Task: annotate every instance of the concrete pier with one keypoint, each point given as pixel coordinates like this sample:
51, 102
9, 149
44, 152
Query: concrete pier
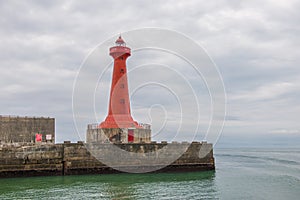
17, 160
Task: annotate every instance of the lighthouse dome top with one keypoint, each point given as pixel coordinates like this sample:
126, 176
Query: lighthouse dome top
119, 49
120, 41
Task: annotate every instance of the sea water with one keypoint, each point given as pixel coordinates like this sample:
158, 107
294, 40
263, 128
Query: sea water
240, 174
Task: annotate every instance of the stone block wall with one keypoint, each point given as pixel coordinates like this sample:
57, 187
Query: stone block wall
23, 129
115, 135
30, 160
79, 158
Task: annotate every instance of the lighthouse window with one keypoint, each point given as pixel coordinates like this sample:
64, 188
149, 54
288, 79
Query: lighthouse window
122, 71
121, 58
122, 85
122, 101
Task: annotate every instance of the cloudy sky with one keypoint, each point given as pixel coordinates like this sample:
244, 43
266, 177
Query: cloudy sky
255, 45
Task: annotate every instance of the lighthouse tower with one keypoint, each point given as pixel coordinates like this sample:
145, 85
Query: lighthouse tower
119, 115
119, 126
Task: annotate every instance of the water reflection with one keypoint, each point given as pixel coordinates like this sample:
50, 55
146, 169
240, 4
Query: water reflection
161, 185
193, 185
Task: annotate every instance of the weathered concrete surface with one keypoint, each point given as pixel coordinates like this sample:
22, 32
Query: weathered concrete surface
75, 158
30, 160
104, 135
23, 129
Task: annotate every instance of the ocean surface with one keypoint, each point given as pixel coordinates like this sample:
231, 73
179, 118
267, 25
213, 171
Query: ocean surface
240, 174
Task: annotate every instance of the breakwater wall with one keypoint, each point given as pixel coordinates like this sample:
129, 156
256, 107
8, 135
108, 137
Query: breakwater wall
18, 160
14, 129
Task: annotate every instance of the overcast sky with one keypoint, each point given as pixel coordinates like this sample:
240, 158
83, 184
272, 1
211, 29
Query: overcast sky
255, 45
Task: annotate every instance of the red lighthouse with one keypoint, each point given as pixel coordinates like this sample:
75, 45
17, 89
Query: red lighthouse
119, 115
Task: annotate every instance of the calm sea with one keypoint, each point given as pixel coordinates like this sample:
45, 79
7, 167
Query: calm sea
240, 174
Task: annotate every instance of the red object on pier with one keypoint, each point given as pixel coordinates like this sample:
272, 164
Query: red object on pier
38, 137
119, 115
130, 135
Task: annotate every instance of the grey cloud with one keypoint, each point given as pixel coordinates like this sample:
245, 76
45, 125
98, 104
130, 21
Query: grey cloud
254, 43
